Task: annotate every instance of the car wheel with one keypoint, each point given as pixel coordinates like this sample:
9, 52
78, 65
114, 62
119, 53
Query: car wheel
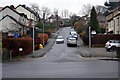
113, 48
76, 45
68, 45
108, 49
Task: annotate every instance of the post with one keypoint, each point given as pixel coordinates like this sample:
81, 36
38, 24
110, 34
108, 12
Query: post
43, 32
33, 36
43, 27
89, 37
33, 26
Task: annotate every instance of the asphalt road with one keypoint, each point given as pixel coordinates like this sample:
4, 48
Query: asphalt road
61, 62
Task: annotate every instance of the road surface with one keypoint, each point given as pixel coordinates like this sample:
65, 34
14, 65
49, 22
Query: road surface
61, 62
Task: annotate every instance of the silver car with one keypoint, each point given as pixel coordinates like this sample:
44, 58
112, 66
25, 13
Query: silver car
74, 34
71, 41
112, 45
59, 39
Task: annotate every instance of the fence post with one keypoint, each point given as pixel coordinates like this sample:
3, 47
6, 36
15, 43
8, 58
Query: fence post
10, 55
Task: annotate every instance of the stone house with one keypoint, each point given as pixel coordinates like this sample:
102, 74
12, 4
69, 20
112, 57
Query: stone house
113, 21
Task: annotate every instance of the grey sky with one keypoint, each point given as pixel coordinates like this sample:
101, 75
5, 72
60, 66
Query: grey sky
74, 6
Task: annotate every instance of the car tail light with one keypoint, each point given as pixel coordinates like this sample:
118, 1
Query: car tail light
108, 44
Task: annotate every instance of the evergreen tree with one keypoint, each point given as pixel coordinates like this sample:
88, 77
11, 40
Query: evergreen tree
94, 21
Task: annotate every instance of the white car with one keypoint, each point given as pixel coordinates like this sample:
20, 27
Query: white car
59, 39
112, 45
71, 41
74, 34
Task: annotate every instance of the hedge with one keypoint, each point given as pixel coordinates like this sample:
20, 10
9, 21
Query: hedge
14, 45
40, 38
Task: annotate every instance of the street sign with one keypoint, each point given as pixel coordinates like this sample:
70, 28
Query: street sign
16, 35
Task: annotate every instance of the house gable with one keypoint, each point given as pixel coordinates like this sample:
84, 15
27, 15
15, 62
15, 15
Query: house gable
27, 11
9, 11
9, 23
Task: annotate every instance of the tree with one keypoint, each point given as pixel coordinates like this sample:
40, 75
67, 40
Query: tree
79, 26
46, 11
93, 21
35, 8
86, 9
55, 12
74, 18
100, 9
65, 13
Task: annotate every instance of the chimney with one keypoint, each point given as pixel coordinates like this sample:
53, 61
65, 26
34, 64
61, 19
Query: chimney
12, 7
23, 6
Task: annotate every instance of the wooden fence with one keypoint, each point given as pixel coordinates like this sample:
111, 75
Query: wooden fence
101, 39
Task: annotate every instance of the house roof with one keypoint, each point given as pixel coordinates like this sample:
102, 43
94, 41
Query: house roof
117, 8
13, 20
1, 8
54, 17
21, 14
30, 10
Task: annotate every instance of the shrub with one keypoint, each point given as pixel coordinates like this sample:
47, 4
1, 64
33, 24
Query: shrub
49, 32
36, 47
14, 45
40, 38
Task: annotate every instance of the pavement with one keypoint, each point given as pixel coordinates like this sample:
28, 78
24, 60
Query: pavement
96, 52
44, 50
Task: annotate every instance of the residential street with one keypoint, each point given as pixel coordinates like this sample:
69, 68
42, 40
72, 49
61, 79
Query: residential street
62, 62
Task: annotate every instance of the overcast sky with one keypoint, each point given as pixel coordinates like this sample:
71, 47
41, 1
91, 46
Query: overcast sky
73, 6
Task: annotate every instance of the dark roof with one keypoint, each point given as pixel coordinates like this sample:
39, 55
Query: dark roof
117, 8
12, 19
54, 17
21, 14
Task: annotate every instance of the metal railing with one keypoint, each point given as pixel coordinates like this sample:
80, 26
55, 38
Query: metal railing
6, 55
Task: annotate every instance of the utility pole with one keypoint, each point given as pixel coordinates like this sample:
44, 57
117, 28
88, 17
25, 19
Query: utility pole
57, 22
43, 27
89, 37
33, 25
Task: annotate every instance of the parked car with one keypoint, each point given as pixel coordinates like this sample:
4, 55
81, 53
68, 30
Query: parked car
71, 41
112, 45
60, 39
72, 29
74, 34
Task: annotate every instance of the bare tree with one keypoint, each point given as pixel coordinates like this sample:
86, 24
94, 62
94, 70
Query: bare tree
100, 9
65, 13
55, 11
86, 9
46, 11
35, 7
